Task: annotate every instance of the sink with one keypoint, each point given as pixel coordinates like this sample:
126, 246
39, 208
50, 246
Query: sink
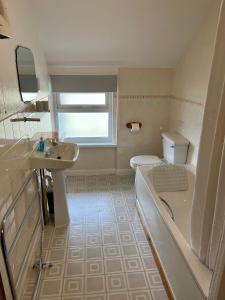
24, 155
59, 157
56, 158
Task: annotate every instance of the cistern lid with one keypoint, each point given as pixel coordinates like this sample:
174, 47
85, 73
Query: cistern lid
175, 138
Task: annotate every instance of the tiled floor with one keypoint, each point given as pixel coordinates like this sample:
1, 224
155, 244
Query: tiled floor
104, 253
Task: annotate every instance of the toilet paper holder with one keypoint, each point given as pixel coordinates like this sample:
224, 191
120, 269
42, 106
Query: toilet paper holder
129, 124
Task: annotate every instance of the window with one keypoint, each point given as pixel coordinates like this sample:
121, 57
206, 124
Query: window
85, 117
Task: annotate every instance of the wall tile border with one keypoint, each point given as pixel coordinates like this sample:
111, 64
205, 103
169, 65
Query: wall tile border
187, 101
153, 97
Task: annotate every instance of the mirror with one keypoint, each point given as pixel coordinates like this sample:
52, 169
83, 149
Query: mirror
28, 84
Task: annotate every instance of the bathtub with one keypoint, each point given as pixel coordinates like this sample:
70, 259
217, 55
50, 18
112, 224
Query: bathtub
187, 277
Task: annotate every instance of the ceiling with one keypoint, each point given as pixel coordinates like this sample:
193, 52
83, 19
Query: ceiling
117, 33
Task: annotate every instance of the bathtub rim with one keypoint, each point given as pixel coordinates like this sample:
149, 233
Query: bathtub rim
201, 274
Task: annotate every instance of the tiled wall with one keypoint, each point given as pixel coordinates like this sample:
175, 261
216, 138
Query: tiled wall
23, 33
186, 118
144, 96
10, 131
153, 113
191, 81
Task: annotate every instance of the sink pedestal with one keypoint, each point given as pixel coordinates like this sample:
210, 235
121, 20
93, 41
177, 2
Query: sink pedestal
60, 202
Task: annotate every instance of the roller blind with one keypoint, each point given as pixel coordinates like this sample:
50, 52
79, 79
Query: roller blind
84, 83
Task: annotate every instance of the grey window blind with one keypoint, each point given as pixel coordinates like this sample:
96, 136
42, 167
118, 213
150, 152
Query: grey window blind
84, 83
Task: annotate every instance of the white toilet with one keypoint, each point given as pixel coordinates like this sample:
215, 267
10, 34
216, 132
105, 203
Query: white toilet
175, 148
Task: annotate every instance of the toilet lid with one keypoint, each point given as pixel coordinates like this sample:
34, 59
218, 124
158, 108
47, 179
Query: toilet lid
144, 160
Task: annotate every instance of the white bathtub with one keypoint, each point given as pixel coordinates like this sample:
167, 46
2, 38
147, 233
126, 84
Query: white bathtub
187, 277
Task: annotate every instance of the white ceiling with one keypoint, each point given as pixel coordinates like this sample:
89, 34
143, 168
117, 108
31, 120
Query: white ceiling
117, 33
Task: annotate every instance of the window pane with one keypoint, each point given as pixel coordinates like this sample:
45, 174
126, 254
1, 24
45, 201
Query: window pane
83, 125
82, 98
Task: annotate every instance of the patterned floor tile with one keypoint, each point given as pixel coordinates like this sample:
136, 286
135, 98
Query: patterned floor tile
96, 297
118, 296
56, 255
149, 263
76, 253
112, 251
137, 226
140, 237
94, 252
56, 271
76, 230
95, 284
122, 217
93, 229
130, 250
126, 238
93, 240
103, 254
58, 243
46, 243
72, 298
73, 286
154, 279
141, 295
124, 227
159, 294
54, 298
75, 268
76, 241
109, 227
137, 280
94, 267
51, 288
144, 249
110, 238
114, 265
116, 282
133, 264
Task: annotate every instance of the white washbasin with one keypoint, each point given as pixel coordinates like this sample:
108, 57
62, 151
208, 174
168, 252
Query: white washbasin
59, 157
24, 155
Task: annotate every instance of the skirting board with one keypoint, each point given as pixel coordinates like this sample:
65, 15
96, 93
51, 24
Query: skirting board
74, 172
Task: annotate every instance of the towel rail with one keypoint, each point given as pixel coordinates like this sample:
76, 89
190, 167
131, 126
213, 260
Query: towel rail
15, 279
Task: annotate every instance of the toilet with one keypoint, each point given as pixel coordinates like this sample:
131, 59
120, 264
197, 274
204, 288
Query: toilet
175, 148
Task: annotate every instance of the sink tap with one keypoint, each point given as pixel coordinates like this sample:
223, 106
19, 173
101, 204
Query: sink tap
54, 142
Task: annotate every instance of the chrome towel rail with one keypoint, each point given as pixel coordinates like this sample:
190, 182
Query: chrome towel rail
25, 237
25, 119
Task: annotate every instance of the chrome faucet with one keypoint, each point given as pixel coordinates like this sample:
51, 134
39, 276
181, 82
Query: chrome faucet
53, 142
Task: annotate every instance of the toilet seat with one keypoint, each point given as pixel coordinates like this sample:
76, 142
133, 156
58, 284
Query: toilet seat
144, 160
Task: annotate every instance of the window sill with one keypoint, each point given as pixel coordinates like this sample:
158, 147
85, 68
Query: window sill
97, 145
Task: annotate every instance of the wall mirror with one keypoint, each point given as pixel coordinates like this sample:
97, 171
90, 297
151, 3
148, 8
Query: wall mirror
27, 80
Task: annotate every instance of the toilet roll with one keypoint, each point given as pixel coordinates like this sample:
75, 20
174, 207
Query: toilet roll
135, 127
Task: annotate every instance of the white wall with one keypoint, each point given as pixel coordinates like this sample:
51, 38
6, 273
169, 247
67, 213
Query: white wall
191, 83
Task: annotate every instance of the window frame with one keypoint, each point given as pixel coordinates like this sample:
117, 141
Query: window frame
108, 108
